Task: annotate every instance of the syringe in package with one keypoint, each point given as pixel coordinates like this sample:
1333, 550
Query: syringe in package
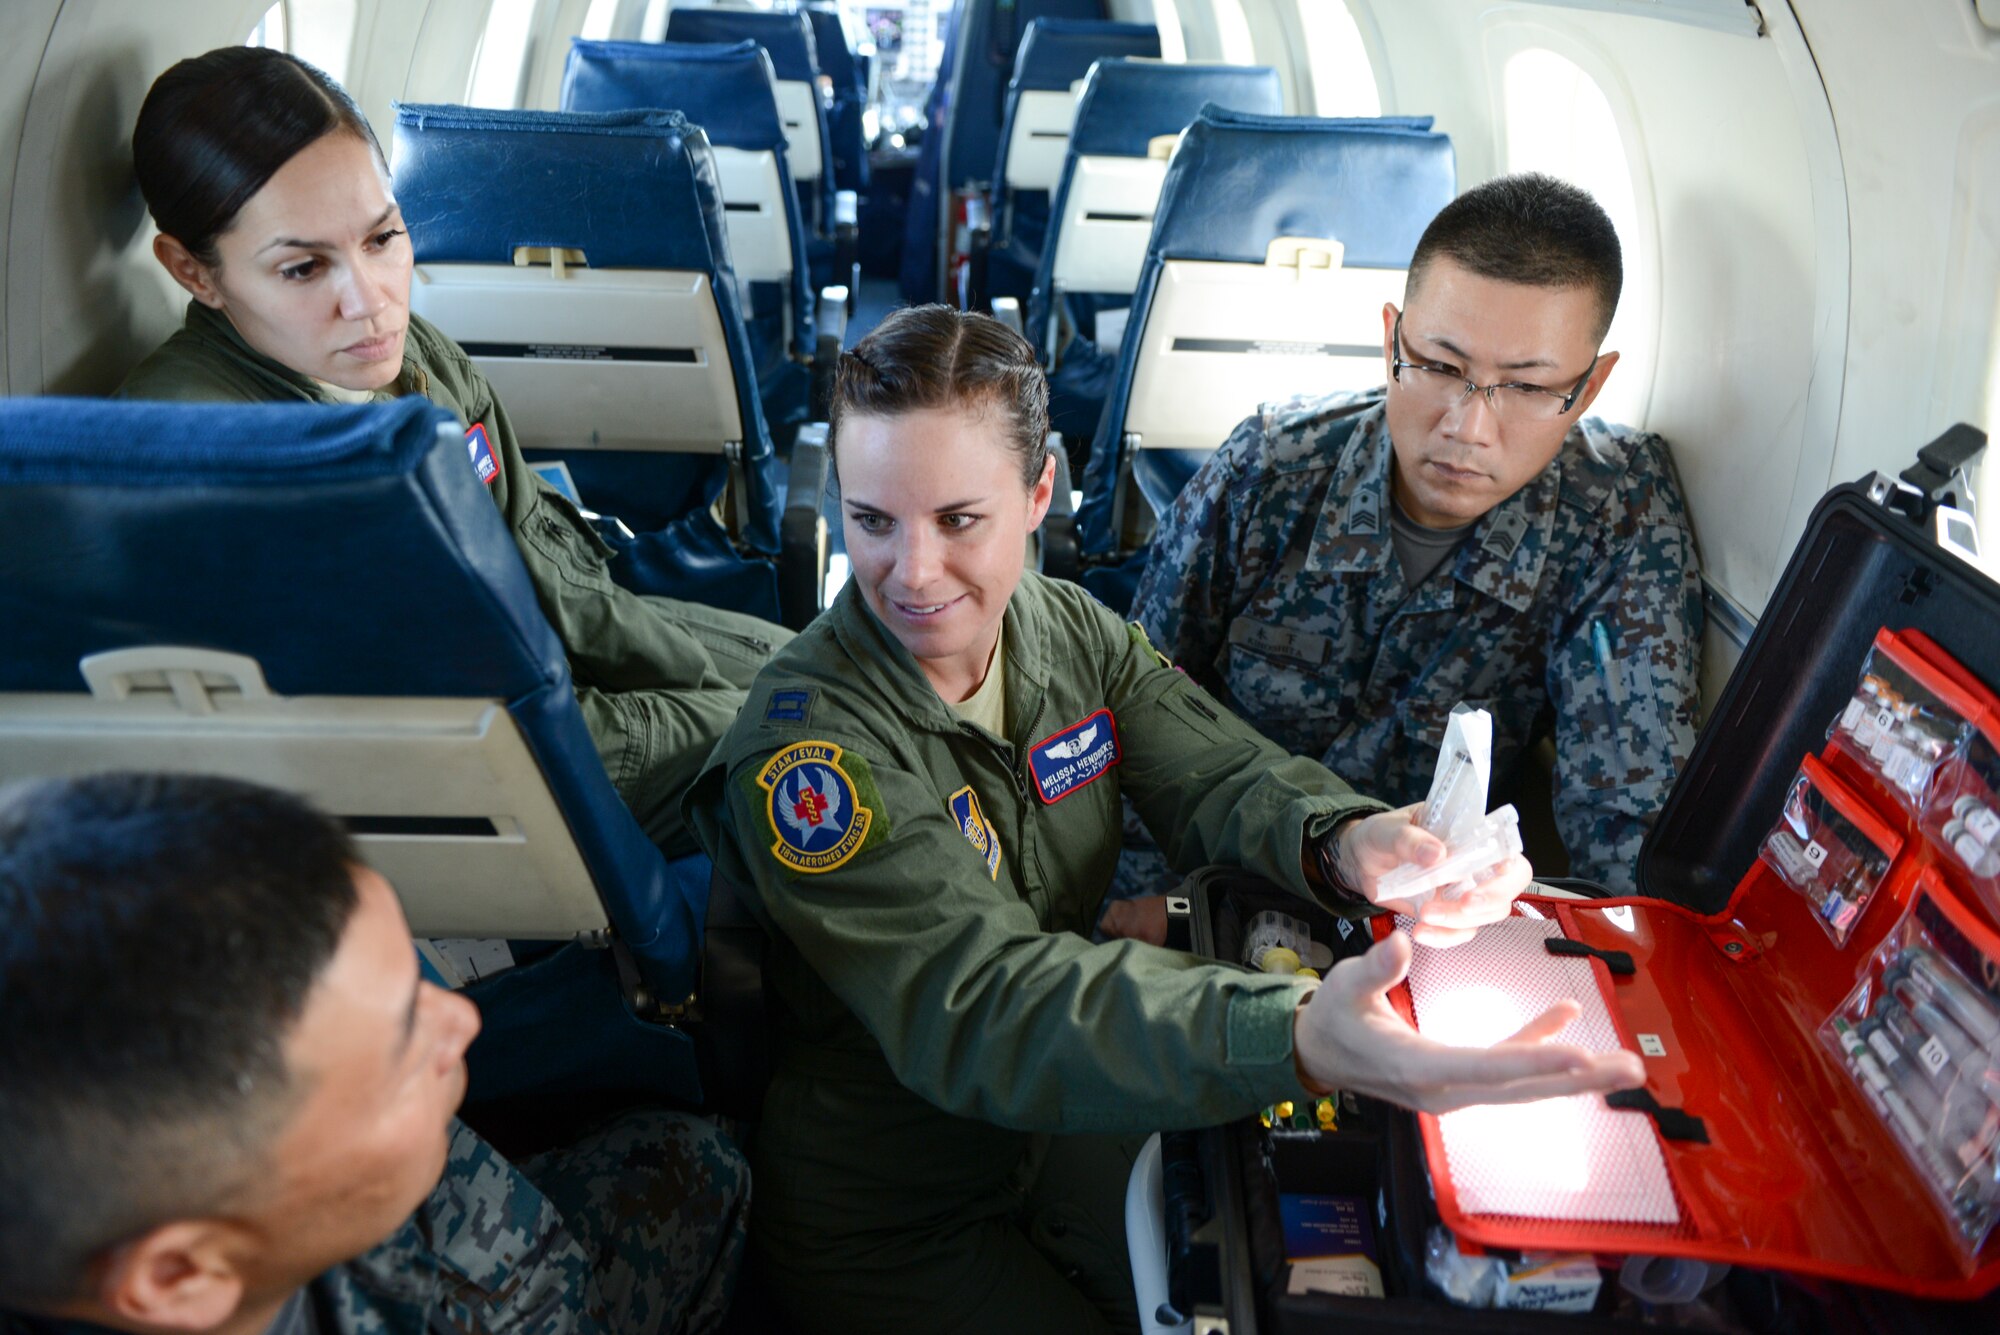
1455, 812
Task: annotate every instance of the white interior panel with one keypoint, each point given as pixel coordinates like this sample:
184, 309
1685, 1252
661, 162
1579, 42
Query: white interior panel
798, 108
760, 242
1035, 152
1283, 333
572, 389
1107, 220
354, 757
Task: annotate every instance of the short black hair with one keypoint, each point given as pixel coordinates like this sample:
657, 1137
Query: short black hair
1530, 229
159, 936
215, 127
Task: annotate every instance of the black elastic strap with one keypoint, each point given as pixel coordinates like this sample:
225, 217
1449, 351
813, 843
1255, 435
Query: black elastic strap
1618, 961
1674, 1123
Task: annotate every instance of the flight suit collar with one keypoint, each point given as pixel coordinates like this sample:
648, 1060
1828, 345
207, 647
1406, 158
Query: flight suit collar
881, 655
1503, 560
213, 326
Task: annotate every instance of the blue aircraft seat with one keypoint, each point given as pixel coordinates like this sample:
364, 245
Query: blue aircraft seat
325, 599
582, 261
1277, 242
962, 115
1055, 56
848, 74
729, 91
787, 37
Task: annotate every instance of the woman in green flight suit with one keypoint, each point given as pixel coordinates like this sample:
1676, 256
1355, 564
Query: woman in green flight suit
921, 800
276, 215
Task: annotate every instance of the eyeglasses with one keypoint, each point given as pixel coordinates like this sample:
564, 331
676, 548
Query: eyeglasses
1446, 387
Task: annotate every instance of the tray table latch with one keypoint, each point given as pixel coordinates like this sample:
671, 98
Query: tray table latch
1674, 1123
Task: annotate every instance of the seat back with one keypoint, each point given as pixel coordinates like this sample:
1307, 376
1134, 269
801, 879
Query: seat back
730, 92
581, 260
787, 37
1126, 120
849, 76
324, 599
1055, 56
1277, 242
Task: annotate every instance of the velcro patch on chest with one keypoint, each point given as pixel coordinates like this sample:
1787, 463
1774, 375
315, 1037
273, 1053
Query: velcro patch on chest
1078, 755
964, 807
815, 808
481, 450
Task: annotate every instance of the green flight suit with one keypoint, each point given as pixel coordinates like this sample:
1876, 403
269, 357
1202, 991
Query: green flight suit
659, 680
931, 889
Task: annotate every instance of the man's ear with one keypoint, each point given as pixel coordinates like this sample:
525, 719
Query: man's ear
1389, 314
1605, 361
179, 1276
189, 272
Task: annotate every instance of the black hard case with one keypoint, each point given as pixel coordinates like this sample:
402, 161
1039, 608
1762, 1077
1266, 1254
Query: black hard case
1858, 568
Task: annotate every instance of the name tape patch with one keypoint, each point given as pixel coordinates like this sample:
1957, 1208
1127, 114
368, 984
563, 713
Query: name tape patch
816, 815
1078, 755
964, 806
481, 451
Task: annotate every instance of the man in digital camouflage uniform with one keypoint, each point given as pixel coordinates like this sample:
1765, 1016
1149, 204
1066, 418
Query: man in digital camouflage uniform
226, 1102
1344, 570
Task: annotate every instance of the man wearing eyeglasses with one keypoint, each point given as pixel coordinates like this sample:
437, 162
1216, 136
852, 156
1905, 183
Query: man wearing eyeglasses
1346, 569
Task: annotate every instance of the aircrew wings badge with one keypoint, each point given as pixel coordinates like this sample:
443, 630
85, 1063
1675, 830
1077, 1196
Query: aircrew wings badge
964, 806
815, 808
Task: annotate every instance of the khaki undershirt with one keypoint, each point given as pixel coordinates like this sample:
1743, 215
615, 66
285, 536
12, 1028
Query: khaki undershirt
987, 706
341, 394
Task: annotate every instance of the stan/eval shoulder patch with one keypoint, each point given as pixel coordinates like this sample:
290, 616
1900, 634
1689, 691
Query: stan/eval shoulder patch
818, 811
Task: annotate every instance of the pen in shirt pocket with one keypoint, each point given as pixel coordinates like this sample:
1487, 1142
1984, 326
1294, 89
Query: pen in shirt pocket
1600, 642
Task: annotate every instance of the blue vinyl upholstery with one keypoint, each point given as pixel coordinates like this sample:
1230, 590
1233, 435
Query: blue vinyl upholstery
632, 190
727, 91
1125, 105
1054, 54
1238, 182
787, 37
838, 63
352, 552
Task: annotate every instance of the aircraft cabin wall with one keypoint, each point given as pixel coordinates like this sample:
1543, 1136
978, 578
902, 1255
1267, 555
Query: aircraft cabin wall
1812, 214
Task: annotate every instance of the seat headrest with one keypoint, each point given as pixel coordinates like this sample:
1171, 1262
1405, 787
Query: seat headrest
1127, 103
787, 36
725, 88
1240, 181
631, 189
349, 550
1055, 53
836, 57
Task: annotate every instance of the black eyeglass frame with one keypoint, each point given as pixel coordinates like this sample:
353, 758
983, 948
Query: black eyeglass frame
1396, 365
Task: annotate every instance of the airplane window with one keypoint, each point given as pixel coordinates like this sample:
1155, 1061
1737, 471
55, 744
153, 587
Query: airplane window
1988, 495
1234, 30
653, 27
1173, 44
597, 20
1558, 121
1343, 80
502, 55
270, 30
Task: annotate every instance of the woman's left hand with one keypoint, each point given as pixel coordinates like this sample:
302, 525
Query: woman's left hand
1373, 846
1141, 919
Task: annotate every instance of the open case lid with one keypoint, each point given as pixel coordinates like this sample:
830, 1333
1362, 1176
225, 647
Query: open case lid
1858, 568
1735, 976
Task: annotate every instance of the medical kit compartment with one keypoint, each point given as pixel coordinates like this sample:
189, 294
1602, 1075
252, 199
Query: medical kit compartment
1811, 974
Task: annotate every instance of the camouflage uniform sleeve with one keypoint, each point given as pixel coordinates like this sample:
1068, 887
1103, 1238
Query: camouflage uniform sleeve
1187, 595
1624, 677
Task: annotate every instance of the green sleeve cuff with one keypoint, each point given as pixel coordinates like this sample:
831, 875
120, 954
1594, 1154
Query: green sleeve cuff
1259, 1052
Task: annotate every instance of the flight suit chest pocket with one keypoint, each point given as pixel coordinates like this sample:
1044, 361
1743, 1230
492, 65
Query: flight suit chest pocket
566, 543
1276, 672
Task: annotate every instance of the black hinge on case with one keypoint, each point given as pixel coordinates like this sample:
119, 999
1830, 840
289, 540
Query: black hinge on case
1674, 1123
1618, 961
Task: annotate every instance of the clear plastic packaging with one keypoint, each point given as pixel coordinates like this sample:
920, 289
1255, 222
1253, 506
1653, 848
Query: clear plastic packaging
1963, 817
1272, 931
1830, 848
1534, 1282
1906, 719
1455, 811
1921, 1038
